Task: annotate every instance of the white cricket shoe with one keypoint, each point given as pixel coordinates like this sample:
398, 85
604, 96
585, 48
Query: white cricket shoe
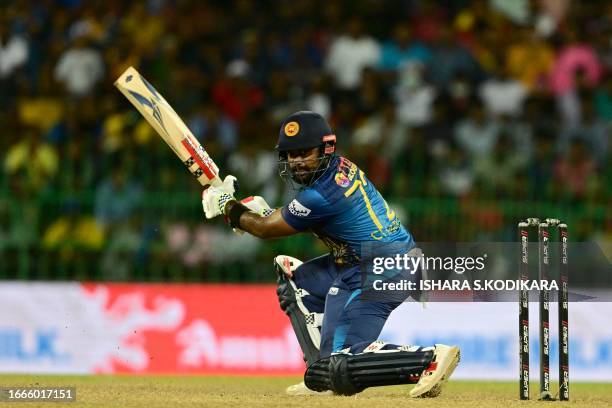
301, 389
433, 378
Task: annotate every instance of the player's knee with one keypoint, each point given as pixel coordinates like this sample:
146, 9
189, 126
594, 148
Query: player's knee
284, 267
339, 376
286, 295
380, 364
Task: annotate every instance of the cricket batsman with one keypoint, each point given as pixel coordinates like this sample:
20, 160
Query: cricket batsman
335, 326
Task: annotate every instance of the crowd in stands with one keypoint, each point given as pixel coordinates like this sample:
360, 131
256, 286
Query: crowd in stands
465, 102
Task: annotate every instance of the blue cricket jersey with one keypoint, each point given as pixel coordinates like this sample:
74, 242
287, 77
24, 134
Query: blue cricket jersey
344, 210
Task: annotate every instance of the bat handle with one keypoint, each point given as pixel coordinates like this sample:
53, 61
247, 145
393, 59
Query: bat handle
213, 182
217, 181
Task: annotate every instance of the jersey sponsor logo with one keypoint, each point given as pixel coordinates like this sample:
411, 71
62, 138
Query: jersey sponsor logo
292, 128
346, 172
342, 180
333, 290
296, 208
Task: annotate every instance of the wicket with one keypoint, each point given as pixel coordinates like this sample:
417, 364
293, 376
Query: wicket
543, 229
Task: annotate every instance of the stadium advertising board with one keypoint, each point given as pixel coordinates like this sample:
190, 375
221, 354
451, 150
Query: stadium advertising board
239, 329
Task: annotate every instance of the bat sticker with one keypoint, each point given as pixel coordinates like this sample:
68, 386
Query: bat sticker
151, 104
200, 157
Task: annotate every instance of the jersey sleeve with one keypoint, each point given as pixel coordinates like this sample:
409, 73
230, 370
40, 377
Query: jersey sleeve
307, 210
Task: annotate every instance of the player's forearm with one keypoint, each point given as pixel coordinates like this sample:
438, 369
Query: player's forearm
256, 225
272, 226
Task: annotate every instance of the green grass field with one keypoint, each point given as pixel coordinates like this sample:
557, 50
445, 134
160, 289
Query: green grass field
177, 391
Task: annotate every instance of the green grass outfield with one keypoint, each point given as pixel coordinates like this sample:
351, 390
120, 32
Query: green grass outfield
249, 392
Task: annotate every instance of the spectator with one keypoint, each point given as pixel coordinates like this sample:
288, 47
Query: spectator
530, 60
459, 95
592, 130
306, 58
80, 67
481, 30
75, 174
414, 96
575, 56
401, 50
603, 100
600, 40
35, 159
448, 59
455, 173
209, 124
196, 246
13, 52
317, 100
575, 172
427, 19
283, 97
382, 134
73, 232
520, 133
517, 11
117, 198
251, 51
539, 112
477, 135
41, 110
234, 94
256, 163
502, 94
552, 13
116, 128
256, 167
540, 168
369, 96
118, 261
498, 171
576, 71
349, 54
570, 104
142, 26
439, 132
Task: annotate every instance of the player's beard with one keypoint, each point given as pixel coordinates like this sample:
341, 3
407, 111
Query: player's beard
301, 175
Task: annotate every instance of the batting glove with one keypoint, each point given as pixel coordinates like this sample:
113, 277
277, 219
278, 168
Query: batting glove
215, 198
258, 205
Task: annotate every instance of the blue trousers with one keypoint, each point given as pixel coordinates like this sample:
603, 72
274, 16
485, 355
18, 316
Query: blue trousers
349, 321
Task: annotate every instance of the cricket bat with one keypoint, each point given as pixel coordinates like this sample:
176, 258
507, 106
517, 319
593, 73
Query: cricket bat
168, 124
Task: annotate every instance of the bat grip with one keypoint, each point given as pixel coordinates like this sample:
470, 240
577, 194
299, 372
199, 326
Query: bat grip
217, 181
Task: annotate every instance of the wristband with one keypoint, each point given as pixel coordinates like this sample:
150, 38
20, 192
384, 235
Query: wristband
236, 210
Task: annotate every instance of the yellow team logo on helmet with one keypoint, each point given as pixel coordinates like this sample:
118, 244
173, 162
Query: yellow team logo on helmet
292, 128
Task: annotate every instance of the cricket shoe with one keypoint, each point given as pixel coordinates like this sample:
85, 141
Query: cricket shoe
301, 389
433, 378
